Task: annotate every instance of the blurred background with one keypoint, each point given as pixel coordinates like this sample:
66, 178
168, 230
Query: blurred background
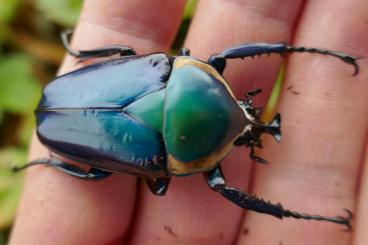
30, 54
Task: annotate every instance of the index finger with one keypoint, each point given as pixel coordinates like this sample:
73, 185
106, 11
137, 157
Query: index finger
58, 208
192, 213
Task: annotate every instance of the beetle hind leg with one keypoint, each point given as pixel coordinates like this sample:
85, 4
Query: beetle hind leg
95, 53
158, 186
216, 181
91, 174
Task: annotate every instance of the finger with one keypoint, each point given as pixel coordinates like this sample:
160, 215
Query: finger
65, 210
325, 117
190, 212
138, 24
360, 235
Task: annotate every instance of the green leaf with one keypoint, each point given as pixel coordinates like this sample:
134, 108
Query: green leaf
10, 184
4, 35
8, 9
3, 237
8, 204
275, 94
63, 12
190, 9
26, 129
184, 26
19, 89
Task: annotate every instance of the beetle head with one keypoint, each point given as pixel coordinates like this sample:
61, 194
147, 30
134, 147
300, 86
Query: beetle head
251, 136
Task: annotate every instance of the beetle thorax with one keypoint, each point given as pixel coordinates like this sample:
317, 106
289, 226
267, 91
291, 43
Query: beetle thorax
202, 118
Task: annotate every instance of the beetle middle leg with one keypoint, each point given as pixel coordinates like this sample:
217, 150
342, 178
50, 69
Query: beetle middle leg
216, 181
91, 174
256, 158
95, 53
218, 61
158, 186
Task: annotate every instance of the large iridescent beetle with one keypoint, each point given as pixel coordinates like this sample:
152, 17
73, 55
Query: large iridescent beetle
158, 116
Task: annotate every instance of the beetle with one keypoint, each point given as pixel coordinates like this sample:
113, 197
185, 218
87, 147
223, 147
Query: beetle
158, 116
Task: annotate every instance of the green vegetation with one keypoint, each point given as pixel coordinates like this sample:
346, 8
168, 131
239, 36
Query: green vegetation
30, 52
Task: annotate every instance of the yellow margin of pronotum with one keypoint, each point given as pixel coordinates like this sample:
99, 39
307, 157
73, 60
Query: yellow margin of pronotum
184, 61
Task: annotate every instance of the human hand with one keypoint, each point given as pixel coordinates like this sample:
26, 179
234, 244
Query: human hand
315, 169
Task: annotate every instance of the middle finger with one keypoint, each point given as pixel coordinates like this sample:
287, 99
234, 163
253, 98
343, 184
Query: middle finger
191, 213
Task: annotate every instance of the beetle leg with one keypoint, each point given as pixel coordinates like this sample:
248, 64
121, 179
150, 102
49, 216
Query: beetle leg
158, 186
95, 53
92, 174
184, 52
216, 181
256, 158
218, 61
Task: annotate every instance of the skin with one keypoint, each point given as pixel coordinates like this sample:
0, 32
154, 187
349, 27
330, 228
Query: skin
319, 167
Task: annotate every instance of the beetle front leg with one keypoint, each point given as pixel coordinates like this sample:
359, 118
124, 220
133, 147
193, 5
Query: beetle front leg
158, 186
95, 53
92, 174
218, 61
256, 158
216, 181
